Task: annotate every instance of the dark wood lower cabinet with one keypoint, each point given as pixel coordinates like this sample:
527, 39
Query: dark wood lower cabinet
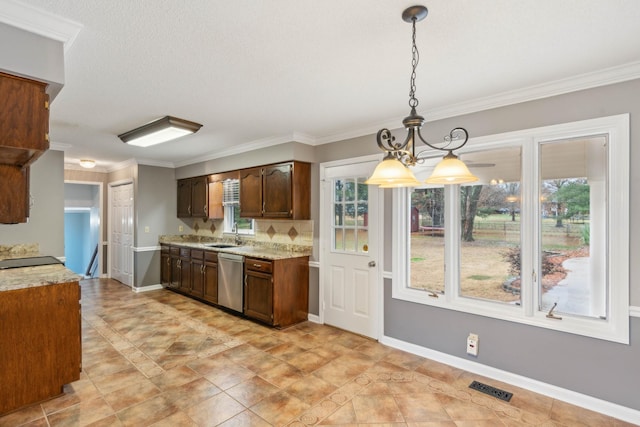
185, 270
165, 265
276, 292
258, 295
197, 273
40, 344
211, 277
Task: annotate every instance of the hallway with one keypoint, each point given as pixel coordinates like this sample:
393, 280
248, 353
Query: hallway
161, 359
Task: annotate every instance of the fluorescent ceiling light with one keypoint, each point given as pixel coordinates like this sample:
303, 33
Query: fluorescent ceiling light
158, 131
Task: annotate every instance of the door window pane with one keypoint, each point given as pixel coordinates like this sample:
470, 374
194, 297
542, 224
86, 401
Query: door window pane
351, 210
573, 200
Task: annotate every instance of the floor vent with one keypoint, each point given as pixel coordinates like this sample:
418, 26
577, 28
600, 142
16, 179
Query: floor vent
491, 391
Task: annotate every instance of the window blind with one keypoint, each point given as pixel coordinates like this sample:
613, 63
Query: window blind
231, 192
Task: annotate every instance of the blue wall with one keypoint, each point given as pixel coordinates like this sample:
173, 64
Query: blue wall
77, 239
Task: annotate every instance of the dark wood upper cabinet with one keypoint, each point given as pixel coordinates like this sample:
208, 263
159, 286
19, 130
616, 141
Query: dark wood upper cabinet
24, 136
199, 197
24, 122
251, 193
184, 198
193, 197
14, 194
276, 191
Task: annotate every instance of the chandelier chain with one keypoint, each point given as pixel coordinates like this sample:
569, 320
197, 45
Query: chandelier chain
415, 57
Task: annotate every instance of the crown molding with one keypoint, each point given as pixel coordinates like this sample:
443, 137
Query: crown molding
585, 81
122, 165
158, 163
40, 22
77, 167
242, 148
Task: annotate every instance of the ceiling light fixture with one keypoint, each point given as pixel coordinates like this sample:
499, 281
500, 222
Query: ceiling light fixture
393, 171
158, 131
87, 163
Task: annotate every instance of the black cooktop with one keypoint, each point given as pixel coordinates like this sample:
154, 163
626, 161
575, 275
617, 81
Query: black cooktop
28, 262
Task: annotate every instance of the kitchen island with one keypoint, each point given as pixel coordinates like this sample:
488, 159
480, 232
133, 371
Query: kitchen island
40, 333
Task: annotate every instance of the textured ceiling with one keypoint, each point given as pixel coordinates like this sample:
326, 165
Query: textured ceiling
259, 72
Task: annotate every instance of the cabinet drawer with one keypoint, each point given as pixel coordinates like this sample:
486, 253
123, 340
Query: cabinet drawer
174, 250
211, 256
185, 252
164, 249
197, 254
258, 265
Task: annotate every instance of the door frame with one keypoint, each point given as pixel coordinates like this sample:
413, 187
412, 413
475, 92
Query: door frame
101, 242
325, 241
111, 185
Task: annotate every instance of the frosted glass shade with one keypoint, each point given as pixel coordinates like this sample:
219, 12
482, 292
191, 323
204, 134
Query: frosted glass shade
390, 173
451, 170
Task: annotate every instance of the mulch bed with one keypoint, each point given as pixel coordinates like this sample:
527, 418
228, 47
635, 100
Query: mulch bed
552, 279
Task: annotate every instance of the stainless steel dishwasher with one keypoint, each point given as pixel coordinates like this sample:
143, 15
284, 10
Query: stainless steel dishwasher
230, 282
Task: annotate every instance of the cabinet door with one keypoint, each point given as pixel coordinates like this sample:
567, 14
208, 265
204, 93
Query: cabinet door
199, 196
216, 210
24, 122
185, 275
258, 296
197, 277
184, 198
165, 267
251, 193
211, 282
14, 194
175, 272
277, 195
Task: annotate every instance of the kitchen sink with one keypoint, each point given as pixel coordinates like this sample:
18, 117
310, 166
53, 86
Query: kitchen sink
220, 245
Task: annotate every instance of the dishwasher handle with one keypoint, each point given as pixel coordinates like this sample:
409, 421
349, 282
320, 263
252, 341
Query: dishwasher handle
231, 257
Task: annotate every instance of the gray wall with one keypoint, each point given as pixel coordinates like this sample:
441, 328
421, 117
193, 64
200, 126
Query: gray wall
593, 367
155, 207
46, 216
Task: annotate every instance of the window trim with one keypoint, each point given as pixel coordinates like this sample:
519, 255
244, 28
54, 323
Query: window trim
616, 326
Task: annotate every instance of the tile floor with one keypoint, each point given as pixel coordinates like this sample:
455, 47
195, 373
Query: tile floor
161, 359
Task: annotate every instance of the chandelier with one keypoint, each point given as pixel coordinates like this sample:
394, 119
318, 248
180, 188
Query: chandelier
393, 170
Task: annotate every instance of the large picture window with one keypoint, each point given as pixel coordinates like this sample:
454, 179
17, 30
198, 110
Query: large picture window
541, 238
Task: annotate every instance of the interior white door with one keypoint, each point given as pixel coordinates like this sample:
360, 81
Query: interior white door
349, 265
121, 236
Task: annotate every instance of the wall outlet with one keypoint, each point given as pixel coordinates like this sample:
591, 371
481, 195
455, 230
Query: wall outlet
472, 344
180, 228
146, 229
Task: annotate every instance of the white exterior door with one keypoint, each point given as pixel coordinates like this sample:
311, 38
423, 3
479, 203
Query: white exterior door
121, 235
349, 271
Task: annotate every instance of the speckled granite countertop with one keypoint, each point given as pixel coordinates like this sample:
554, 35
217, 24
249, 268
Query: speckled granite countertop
271, 252
29, 277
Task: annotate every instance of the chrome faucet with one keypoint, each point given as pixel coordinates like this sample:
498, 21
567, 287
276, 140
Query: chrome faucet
234, 229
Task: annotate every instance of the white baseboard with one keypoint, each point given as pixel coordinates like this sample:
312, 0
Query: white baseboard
147, 288
634, 311
569, 396
313, 318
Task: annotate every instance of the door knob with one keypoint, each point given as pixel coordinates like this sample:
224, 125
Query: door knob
372, 263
